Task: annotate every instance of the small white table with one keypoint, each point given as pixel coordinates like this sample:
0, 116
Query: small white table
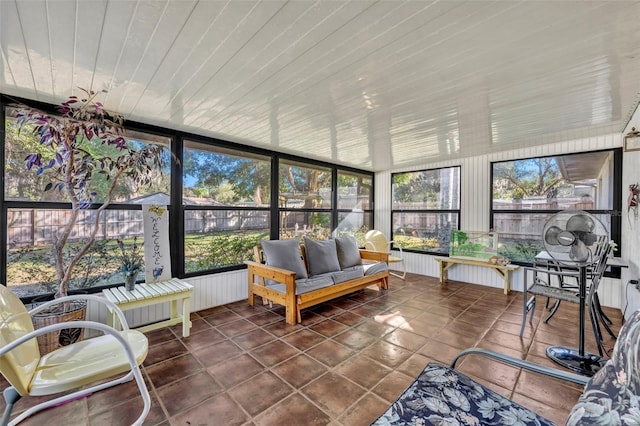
173, 291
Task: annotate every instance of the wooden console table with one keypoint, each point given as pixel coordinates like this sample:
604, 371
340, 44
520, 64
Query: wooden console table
503, 271
173, 291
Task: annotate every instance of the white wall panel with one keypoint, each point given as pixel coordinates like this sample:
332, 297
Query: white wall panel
630, 226
475, 184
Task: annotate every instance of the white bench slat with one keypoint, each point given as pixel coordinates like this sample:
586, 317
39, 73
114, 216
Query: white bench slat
168, 288
144, 291
117, 295
175, 287
184, 286
137, 294
124, 294
110, 297
153, 290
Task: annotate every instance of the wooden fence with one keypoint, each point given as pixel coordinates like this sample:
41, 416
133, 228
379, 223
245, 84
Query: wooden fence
32, 227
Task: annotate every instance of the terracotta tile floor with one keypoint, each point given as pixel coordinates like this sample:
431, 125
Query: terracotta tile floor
344, 365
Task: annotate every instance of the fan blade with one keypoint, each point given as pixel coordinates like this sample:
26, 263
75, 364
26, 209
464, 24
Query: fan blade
579, 252
566, 238
551, 236
581, 223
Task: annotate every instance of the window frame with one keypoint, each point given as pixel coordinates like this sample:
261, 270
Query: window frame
176, 207
615, 212
457, 211
225, 150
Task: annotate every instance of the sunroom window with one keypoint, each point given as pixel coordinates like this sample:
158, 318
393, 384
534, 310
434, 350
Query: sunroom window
425, 209
527, 192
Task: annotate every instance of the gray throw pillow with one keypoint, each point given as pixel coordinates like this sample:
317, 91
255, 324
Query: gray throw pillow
285, 254
322, 256
348, 252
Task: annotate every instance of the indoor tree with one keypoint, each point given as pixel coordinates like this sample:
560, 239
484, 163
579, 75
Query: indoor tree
69, 164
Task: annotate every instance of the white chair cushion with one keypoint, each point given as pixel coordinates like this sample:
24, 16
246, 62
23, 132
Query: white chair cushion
85, 362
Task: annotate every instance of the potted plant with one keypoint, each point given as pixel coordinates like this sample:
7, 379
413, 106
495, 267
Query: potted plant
66, 158
132, 263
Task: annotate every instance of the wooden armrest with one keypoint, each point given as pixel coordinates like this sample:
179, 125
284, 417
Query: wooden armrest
379, 256
270, 272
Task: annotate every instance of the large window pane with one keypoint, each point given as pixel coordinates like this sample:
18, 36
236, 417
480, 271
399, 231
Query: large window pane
355, 223
573, 181
220, 238
426, 208
437, 189
527, 192
222, 177
424, 231
303, 186
315, 225
519, 234
354, 191
22, 184
31, 233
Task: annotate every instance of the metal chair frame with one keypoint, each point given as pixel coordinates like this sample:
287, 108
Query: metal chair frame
75, 366
557, 273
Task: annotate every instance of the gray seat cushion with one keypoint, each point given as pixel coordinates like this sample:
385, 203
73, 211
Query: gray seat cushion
306, 285
348, 252
285, 254
322, 256
347, 274
374, 268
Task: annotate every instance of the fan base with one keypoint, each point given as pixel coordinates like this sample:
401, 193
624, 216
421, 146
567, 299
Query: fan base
587, 364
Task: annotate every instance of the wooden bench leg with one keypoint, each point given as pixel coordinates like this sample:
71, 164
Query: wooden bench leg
173, 309
506, 279
250, 299
112, 318
291, 309
384, 284
186, 317
507, 282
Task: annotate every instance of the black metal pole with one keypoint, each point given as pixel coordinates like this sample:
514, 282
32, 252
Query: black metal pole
583, 291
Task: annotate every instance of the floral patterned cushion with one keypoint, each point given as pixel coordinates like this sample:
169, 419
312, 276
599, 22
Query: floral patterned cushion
446, 397
612, 395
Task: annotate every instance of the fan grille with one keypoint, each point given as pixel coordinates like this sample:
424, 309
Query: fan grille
574, 237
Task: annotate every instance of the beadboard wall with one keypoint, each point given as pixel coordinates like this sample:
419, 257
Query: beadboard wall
630, 226
218, 289
475, 200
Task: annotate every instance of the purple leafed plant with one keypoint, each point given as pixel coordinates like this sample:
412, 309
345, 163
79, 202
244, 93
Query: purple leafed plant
67, 137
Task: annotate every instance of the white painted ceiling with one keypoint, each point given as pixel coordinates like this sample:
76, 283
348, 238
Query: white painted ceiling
373, 85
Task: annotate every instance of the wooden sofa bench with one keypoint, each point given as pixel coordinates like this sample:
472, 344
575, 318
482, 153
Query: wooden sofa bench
260, 274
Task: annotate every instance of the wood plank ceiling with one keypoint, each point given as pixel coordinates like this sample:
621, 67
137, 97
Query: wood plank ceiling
375, 85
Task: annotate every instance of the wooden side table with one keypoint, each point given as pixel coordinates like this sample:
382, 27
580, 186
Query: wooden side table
173, 291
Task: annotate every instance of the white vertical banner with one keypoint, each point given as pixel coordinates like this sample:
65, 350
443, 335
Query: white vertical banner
157, 256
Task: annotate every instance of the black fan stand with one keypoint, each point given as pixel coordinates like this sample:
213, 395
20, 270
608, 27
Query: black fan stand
576, 359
